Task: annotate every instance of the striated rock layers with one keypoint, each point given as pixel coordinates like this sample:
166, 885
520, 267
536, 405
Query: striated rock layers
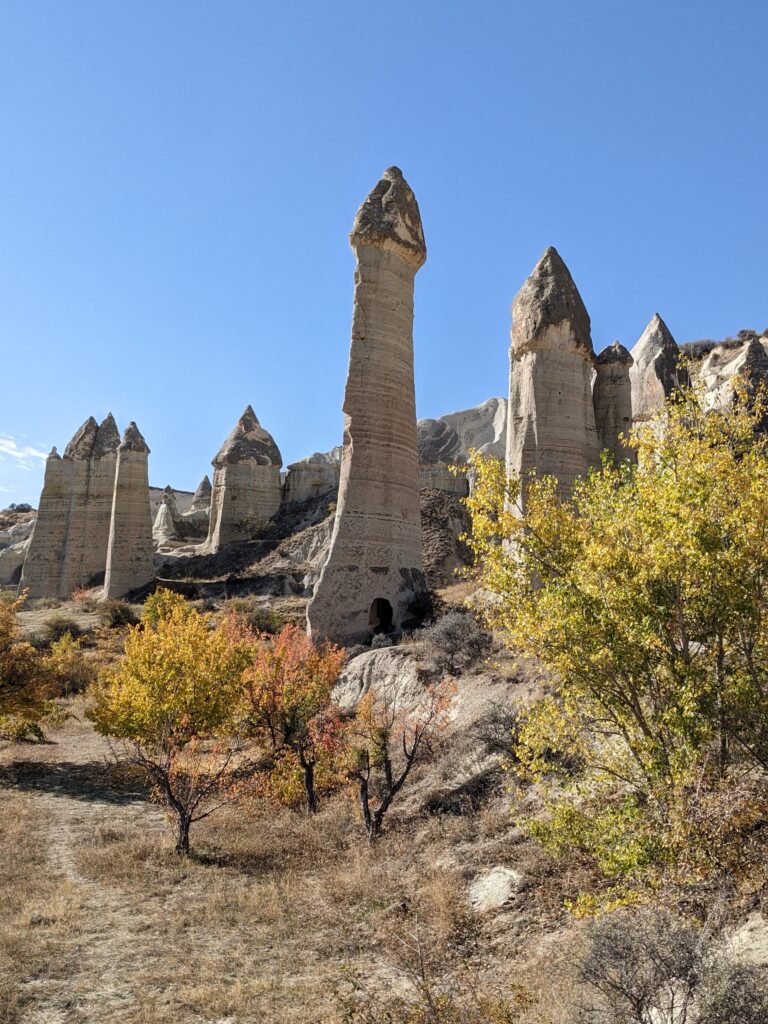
612, 396
129, 557
373, 579
246, 482
68, 548
309, 478
551, 421
655, 374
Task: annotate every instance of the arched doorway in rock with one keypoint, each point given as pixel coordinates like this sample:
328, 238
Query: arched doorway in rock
380, 616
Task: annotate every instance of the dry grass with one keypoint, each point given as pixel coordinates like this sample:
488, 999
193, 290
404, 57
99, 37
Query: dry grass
40, 908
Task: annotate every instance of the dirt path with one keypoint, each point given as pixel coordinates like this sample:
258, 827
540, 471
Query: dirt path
68, 784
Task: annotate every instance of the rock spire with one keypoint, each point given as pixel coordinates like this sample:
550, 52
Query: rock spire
655, 374
612, 395
201, 499
69, 545
551, 421
130, 555
246, 481
373, 580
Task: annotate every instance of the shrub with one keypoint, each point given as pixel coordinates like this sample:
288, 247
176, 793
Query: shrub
57, 626
456, 642
24, 684
259, 617
389, 735
653, 967
85, 599
116, 614
69, 670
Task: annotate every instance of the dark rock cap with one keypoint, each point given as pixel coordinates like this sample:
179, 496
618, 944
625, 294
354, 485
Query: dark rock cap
107, 437
54, 453
248, 442
133, 440
615, 353
390, 218
549, 297
81, 445
436, 442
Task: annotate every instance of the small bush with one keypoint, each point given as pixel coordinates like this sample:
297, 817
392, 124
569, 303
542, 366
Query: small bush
85, 599
735, 994
260, 617
456, 642
116, 614
56, 626
68, 669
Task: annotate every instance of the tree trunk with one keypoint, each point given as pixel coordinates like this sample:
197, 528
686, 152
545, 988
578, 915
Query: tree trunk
309, 785
182, 840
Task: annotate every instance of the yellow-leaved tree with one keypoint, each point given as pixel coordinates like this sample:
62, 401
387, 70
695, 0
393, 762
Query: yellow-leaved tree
645, 595
170, 706
26, 689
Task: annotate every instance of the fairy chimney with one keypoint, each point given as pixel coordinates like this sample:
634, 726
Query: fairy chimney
130, 552
612, 396
246, 482
373, 580
655, 374
551, 423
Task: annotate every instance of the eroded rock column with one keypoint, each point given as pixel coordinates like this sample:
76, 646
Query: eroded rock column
655, 373
551, 421
612, 395
129, 557
246, 482
77, 467
372, 580
42, 567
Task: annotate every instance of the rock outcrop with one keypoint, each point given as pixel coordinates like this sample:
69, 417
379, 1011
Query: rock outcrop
98, 504
373, 580
612, 395
130, 553
723, 366
655, 373
246, 482
309, 478
551, 422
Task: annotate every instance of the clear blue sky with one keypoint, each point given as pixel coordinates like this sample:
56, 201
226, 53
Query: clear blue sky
178, 178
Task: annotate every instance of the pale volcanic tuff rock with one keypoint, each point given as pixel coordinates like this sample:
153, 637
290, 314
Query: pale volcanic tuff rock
551, 421
655, 374
42, 566
69, 544
98, 505
309, 478
612, 396
129, 558
373, 579
246, 481
718, 371
201, 499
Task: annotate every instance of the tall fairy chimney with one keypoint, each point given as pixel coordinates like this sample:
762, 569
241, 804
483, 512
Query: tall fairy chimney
372, 580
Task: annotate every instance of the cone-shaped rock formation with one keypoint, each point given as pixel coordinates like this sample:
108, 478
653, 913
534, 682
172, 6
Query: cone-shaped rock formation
655, 374
129, 557
201, 499
551, 422
612, 394
372, 580
246, 481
